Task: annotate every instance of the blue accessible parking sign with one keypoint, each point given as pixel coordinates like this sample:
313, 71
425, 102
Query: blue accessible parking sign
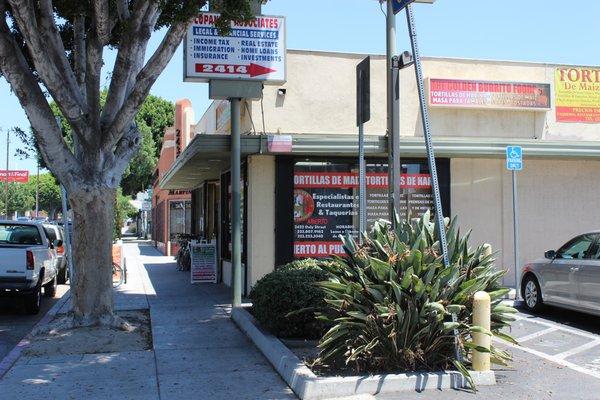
514, 158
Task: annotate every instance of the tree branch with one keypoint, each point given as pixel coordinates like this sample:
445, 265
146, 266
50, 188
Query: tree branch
52, 146
116, 164
49, 59
79, 51
92, 83
102, 21
123, 10
144, 81
130, 57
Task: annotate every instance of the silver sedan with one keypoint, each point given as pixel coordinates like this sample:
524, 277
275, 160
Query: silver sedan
568, 277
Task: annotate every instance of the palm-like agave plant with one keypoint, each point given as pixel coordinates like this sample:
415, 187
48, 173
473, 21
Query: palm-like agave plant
391, 301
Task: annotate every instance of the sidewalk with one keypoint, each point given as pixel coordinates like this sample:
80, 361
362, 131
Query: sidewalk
198, 353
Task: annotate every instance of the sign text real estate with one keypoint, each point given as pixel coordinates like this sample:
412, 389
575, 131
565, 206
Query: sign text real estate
253, 51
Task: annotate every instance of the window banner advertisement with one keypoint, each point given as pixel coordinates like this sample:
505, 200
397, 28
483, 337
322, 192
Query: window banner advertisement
453, 93
577, 92
326, 203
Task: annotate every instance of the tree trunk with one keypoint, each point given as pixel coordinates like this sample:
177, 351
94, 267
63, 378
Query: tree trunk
93, 218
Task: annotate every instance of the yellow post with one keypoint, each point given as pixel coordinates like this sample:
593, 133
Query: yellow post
481, 317
487, 250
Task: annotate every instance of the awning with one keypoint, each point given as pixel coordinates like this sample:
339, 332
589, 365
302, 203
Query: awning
208, 155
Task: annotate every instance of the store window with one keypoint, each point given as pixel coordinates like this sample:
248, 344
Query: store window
226, 213
180, 218
325, 201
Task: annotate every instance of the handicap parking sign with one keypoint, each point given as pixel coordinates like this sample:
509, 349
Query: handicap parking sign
514, 158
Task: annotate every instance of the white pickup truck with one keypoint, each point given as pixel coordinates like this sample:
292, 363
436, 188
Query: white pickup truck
28, 262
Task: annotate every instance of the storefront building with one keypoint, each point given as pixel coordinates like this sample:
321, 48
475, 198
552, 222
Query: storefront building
300, 162
171, 209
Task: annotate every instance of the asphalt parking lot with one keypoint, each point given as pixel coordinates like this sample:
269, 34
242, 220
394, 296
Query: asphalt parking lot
558, 358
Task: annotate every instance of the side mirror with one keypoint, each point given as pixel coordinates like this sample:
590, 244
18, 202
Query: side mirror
57, 243
550, 254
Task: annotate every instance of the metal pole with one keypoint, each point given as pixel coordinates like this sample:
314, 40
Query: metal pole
236, 241
439, 217
37, 191
67, 243
362, 176
516, 231
392, 116
6, 188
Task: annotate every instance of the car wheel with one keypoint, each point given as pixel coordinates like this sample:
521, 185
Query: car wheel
532, 294
33, 301
50, 288
63, 275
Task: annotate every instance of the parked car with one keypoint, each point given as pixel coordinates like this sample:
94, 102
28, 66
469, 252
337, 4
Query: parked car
55, 232
568, 277
27, 262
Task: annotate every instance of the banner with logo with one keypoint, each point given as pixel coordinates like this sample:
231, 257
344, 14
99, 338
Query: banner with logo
454, 93
14, 176
577, 93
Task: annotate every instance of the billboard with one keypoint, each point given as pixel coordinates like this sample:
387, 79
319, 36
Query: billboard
577, 92
454, 93
14, 176
253, 51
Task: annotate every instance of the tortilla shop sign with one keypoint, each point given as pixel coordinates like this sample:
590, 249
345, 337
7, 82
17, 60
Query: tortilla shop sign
452, 93
14, 176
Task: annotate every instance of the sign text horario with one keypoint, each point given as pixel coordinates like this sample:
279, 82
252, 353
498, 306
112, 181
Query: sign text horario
252, 50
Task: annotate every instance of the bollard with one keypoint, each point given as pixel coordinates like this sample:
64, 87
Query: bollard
481, 317
487, 250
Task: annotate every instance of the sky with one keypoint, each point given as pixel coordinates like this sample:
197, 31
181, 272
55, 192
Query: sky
550, 31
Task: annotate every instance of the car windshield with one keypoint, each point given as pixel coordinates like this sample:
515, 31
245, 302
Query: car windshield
19, 234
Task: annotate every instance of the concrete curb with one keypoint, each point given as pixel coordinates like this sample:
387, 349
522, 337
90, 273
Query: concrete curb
308, 386
9, 360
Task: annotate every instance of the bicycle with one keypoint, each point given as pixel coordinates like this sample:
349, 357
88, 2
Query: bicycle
183, 257
117, 275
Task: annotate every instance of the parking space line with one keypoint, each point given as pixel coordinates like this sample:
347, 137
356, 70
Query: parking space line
578, 349
558, 326
554, 359
536, 334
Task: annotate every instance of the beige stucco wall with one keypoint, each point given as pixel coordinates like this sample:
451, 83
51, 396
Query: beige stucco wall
558, 199
261, 217
321, 92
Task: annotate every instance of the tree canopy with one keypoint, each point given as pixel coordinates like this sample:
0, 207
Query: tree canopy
52, 50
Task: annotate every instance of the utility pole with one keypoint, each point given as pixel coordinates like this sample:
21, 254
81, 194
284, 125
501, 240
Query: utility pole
37, 191
393, 120
7, 152
236, 229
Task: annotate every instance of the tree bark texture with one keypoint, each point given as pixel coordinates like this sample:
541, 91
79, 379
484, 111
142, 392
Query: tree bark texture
93, 217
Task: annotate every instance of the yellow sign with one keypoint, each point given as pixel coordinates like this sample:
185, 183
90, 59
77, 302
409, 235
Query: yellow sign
577, 92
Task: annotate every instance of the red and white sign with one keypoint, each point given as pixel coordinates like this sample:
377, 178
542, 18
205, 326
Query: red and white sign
454, 93
15, 176
347, 180
280, 144
253, 50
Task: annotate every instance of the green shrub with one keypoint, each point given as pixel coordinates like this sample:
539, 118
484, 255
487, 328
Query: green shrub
286, 290
391, 301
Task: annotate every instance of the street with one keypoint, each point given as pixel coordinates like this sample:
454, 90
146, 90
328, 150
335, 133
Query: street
16, 324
